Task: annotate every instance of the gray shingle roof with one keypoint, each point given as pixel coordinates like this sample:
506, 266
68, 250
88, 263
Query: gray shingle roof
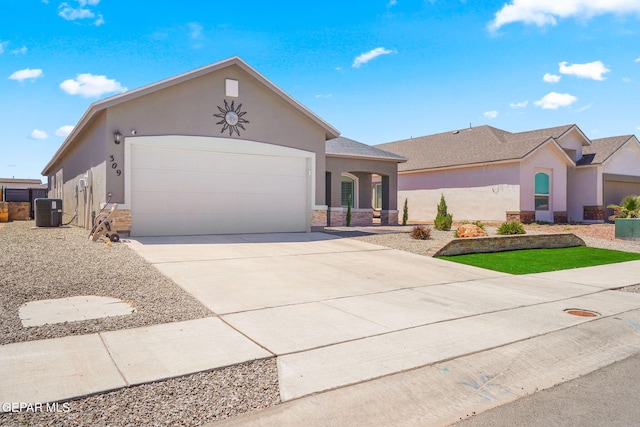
482, 144
601, 149
349, 148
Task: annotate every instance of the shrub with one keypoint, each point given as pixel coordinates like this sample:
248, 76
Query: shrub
629, 207
443, 219
420, 232
405, 212
511, 227
349, 212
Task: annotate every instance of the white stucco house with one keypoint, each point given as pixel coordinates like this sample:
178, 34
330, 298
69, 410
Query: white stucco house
554, 175
217, 150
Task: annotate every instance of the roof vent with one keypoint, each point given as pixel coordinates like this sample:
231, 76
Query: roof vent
455, 132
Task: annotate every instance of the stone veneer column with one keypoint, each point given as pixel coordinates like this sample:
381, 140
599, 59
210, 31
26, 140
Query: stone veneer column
389, 217
123, 221
318, 219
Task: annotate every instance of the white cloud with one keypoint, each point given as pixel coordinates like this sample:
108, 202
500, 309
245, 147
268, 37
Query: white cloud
27, 73
392, 3
39, 134
637, 59
591, 70
2, 46
81, 11
547, 12
195, 30
522, 104
64, 131
368, 56
21, 50
89, 85
554, 100
551, 78
490, 114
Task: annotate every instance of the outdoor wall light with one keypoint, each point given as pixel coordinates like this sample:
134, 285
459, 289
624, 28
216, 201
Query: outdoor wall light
117, 137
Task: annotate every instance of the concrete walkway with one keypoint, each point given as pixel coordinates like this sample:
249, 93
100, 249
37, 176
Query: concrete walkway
384, 330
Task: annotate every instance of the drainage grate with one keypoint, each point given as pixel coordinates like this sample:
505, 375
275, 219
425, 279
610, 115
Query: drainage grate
581, 312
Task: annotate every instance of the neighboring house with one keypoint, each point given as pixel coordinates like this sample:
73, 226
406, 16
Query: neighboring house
553, 175
216, 150
608, 171
21, 183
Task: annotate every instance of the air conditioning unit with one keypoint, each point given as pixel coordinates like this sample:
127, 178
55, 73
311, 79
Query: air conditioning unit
48, 212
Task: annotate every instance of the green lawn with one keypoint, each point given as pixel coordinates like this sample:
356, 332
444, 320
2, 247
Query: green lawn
528, 261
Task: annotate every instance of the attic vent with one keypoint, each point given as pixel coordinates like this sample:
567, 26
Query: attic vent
455, 132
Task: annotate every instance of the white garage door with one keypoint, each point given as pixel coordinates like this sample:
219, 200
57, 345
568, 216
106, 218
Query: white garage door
183, 186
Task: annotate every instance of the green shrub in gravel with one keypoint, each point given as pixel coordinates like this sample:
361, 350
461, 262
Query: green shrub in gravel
443, 219
511, 227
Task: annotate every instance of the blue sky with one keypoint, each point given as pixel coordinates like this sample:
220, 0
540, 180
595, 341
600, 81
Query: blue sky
377, 70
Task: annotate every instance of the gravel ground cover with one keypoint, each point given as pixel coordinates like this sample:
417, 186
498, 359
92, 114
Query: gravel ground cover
193, 400
50, 263
38, 264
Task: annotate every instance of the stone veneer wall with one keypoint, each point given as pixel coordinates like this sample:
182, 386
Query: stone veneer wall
335, 217
509, 243
318, 219
525, 217
359, 217
593, 213
123, 221
389, 217
560, 217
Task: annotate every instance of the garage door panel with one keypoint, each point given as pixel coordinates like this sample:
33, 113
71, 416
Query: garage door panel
183, 191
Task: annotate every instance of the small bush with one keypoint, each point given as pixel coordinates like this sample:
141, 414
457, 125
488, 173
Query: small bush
511, 227
420, 232
443, 219
405, 212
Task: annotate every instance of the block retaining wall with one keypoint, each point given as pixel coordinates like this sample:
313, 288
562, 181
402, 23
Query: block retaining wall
509, 243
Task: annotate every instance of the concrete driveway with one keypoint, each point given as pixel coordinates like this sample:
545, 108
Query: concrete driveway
339, 311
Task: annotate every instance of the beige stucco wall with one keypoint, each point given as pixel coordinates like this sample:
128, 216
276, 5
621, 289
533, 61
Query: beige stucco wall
188, 108
551, 159
483, 193
362, 170
582, 190
625, 161
572, 141
83, 159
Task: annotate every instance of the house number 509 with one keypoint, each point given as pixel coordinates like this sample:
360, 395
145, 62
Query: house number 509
114, 165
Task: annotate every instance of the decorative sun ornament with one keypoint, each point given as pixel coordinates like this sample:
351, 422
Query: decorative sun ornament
231, 118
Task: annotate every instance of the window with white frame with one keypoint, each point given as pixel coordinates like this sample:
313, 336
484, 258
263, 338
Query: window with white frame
542, 191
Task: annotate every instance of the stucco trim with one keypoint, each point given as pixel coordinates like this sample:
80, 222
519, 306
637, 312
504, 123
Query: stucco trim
380, 159
621, 178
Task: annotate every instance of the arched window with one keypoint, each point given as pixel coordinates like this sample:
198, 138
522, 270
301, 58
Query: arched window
349, 190
542, 192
